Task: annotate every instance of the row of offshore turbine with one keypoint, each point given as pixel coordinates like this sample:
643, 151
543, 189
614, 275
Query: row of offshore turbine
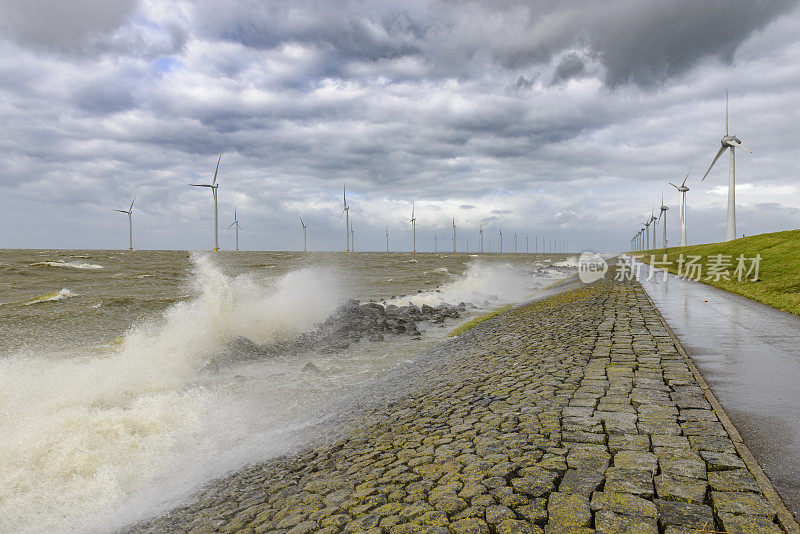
641, 240
547, 245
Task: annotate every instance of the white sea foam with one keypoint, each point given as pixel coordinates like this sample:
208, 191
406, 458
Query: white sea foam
69, 265
92, 440
55, 296
481, 284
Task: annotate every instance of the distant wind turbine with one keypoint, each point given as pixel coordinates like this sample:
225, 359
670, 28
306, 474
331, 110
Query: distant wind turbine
526, 244
130, 223
501, 241
646, 224
214, 186
413, 230
481, 234
346, 213
732, 142
664, 224
387, 239
454, 233
435, 243
515, 240
352, 238
235, 223
654, 221
683, 189
305, 229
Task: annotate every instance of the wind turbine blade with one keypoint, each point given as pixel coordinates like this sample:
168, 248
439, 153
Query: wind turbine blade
739, 145
341, 215
132, 201
121, 211
721, 150
217, 170
675, 186
687, 174
201, 185
302, 223
726, 112
229, 227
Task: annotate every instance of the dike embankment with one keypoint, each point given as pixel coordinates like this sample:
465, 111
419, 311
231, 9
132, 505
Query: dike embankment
574, 414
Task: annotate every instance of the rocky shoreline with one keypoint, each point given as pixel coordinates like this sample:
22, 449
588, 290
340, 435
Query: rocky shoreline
574, 414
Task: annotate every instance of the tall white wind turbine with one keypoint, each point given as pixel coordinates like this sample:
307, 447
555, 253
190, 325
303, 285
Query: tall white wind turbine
130, 223
501, 241
481, 234
646, 224
352, 238
235, 223
515, 240
387, 239
654, 221
413, 230
663, 213
732, 142
346, 213
305, 240
214, 186
683, 189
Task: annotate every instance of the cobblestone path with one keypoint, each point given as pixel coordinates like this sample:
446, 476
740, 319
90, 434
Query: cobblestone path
571, 415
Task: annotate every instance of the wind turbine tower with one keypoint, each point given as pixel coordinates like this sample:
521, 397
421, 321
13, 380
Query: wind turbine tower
305, 241
501, 242
454, 233
683, 189
515, 240
481, 235
413, 230
236, 224
130, 223
346, 213
387, 239
732, 142
214, 187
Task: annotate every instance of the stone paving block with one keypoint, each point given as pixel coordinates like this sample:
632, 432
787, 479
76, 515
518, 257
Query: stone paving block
623, 504
581, 481
733, 480
512, 526
684, 514
632, 481
721, 461
669, 441
673, 488
569, 509
748, 524
595, 460
640, 460
692, 468
470, 526
536, 483
712, 443
628, 442
742, 503
608, 522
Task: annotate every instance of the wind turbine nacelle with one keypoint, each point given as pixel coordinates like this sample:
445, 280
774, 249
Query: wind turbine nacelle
727, 138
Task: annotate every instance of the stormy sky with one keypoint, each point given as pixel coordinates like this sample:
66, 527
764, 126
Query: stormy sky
560, 119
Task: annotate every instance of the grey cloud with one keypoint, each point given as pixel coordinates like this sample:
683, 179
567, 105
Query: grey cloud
570, 66
61, 26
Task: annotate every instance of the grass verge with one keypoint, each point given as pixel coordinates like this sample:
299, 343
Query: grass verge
478, 320
778, 283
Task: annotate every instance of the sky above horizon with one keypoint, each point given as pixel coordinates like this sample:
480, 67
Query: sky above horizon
560, 119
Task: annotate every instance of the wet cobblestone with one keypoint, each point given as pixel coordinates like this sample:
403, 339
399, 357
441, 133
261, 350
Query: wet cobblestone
575, 414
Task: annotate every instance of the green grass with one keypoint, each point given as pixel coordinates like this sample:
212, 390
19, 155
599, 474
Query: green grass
778, 283
478, 320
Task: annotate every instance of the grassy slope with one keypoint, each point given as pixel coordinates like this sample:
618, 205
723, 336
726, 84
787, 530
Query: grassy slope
779, 275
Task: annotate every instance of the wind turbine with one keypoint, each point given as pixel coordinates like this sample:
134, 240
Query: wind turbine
683, 189
214, 186
454, 233
526, 244
435, 243
130, 223
305, 241
501, 241
481, 234
352, 238
413, 230
654, 221
646, 224
515, 240
236, 223
387, 239
732, 142
664, 214
346, 213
